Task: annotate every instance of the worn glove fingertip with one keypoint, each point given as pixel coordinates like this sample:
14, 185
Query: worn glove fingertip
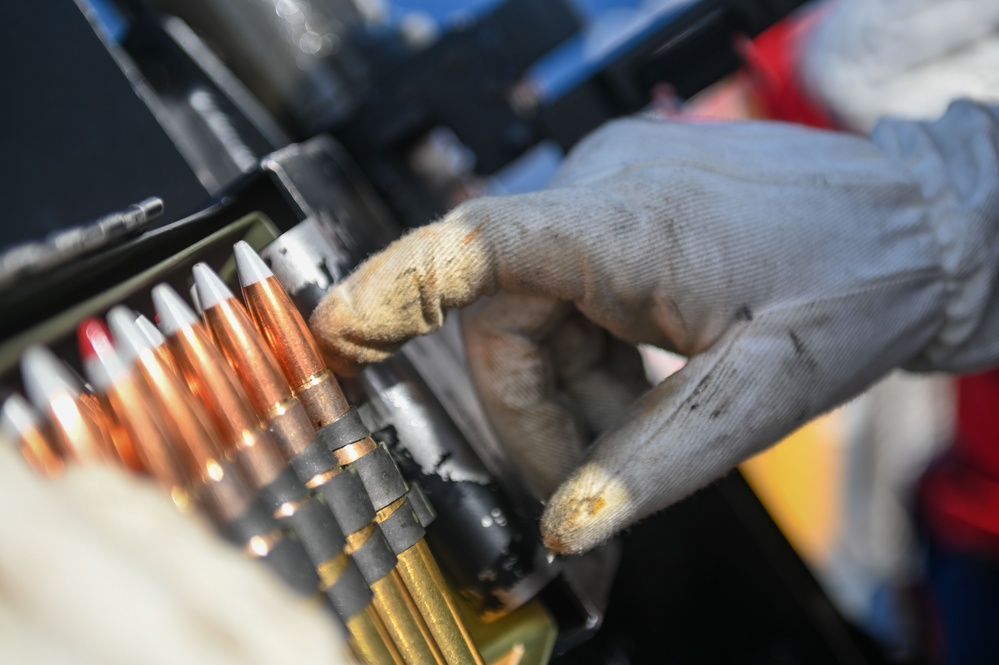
586, 511
330, 324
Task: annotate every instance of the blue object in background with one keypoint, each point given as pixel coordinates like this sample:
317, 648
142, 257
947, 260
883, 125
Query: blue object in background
109, 20
964, 598
612, 28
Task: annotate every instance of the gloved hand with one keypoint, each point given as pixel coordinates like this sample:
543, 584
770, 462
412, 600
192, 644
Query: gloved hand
904, 58
97, 567
794, 267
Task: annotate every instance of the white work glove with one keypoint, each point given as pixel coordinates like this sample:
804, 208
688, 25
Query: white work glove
794, 267
905, 58
100, 568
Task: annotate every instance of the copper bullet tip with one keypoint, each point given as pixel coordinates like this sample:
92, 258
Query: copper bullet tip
105, 371
146, 444
289, 338
253, 363
210, 378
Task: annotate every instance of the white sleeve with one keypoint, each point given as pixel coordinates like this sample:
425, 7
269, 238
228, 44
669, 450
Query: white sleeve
904, 58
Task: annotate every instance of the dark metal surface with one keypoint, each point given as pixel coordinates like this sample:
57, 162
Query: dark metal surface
375, 557
318, 532
345, 495
500, 563
461, 82
402, 528
215, 123
694, 47
472, 81
712, 580
350, 594
79, 142
287, 558
71, 244
286, 488
381, 477
345, 430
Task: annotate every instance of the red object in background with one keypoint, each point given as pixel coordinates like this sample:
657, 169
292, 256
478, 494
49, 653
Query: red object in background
959, 497
771, 68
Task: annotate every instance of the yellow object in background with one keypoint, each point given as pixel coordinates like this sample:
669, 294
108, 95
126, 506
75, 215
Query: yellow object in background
799, 481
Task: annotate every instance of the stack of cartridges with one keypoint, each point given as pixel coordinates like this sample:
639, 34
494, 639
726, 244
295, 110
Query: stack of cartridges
234, 413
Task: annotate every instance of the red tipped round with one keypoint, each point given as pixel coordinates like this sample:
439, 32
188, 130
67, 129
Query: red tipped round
101, 362
91, 335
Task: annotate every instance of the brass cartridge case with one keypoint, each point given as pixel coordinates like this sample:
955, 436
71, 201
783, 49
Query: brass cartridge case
396, 607
423, 578
370, 640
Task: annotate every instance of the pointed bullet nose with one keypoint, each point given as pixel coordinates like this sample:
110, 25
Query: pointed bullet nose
250, 266
131, 340
196, 299
211, 289
150, 330
174, 314
45, 377
17, 416
89, 333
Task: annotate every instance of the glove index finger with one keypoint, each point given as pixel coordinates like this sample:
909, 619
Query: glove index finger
406, 290
728, 403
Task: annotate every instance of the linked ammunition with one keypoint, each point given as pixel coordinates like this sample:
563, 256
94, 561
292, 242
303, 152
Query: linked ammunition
254, 364
218, 484
209, 378
276, 483
21, 424
130, 400
240, 417
342, 432
269, 394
